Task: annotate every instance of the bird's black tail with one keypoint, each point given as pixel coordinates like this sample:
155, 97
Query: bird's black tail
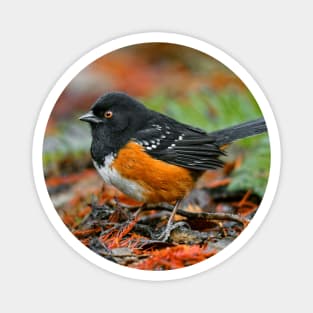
247, 129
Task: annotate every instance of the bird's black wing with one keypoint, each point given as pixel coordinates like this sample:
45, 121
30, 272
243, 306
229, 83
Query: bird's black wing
181, 145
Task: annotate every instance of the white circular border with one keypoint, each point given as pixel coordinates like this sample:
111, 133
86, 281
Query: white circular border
67, 77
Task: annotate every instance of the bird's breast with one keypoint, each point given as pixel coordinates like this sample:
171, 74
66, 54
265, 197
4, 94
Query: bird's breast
112, 176
145, 178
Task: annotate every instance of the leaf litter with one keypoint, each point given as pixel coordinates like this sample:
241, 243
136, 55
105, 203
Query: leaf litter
126, 232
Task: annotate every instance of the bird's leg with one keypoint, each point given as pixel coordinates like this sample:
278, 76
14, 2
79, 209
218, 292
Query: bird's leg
169, 227
117, 202
138, 211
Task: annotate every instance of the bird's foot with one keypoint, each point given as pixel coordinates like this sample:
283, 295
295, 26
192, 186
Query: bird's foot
165, 235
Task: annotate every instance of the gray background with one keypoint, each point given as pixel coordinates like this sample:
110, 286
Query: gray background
39, 272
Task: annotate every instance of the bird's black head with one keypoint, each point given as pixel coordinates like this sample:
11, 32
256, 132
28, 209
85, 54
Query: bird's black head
114, 118
115, 111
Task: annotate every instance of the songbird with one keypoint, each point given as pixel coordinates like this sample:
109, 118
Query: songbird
151, 157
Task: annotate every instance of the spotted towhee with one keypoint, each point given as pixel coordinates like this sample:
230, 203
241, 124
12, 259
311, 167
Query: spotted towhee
150, 156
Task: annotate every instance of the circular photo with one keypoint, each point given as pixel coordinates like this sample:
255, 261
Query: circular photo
154, 156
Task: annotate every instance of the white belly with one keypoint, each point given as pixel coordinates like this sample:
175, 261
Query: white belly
112, 177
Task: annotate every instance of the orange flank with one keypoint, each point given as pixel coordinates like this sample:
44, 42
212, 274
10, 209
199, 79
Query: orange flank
161, 181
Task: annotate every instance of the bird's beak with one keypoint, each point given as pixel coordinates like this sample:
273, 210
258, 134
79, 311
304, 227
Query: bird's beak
89, 117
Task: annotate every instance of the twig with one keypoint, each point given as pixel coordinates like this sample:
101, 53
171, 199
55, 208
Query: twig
199, 215
123, 255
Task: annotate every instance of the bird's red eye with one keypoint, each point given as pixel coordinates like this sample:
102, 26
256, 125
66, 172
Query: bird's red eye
108, 114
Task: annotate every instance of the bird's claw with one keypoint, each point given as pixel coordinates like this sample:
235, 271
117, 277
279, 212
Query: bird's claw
165, 235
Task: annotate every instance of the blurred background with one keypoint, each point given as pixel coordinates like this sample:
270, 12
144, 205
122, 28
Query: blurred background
181, 82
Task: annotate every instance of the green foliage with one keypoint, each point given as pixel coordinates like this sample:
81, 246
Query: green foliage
71, 142
208, 110
253, 172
